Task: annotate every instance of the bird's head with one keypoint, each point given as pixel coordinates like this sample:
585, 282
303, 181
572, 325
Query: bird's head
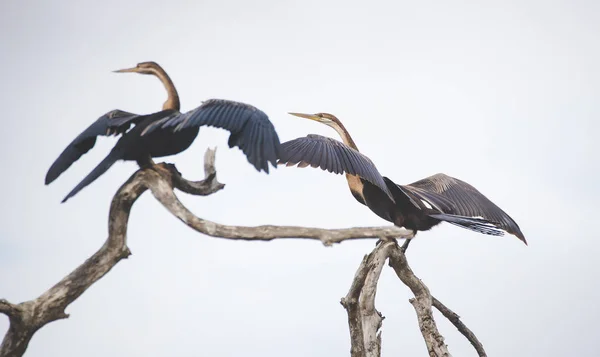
325, 118
333, 122
142, 68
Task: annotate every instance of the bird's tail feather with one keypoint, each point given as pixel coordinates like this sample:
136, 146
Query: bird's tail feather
101, 168
473, 223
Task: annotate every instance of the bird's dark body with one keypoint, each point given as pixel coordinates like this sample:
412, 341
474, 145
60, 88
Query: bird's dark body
377, 201
401, 213
159, 143
416, 221
132, 146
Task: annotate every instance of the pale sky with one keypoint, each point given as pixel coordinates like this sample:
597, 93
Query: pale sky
500, 94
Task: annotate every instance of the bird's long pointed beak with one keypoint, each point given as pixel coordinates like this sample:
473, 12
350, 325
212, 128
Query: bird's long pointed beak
307, 116
126, 70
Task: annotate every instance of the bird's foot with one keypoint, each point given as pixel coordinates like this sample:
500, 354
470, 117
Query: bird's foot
405, 245
145, 162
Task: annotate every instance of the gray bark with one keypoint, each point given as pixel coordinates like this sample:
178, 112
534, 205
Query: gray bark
28, 317
363, 318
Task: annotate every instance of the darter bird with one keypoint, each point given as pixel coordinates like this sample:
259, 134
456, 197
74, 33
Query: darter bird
250, 128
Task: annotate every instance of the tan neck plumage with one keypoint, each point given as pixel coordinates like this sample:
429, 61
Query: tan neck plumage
354, 182
172, 101
344, 134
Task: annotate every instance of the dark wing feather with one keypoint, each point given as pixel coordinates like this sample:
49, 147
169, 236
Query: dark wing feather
251, 130
114, 122
466, 201
330, 155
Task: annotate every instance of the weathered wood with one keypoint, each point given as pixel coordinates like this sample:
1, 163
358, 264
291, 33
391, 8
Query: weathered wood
462, 328
363, 318
422, 304
28, 317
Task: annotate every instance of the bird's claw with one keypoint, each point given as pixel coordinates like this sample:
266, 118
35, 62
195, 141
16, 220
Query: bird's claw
405, 245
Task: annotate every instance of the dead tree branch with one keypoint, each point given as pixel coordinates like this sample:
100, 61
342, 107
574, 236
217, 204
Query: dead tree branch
163, 192
350, 303
365, 321
455, 319
422, 304
28, 317
204, 187
363, 318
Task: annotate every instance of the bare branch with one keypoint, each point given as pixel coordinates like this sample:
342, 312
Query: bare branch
50, 306
164, 194
8, 309
364, 320
28, 317
204, 187
455, 319
350, 303
372, 319
422, 304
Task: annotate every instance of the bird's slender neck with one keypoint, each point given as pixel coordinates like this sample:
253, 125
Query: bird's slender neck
354, 182
344, 134
172, 101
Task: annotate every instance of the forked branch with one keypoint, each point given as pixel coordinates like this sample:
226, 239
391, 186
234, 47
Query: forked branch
365, 321
422, 304
28, 317
363, 318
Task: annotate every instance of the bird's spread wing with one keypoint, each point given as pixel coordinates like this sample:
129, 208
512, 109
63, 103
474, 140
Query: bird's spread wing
331, 155
251, 130
114, 122
464, 205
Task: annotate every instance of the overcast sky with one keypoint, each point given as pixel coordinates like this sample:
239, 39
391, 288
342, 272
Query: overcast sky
502, 95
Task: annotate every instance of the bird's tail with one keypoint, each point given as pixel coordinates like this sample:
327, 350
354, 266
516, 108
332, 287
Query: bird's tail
102, 167
473, 223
